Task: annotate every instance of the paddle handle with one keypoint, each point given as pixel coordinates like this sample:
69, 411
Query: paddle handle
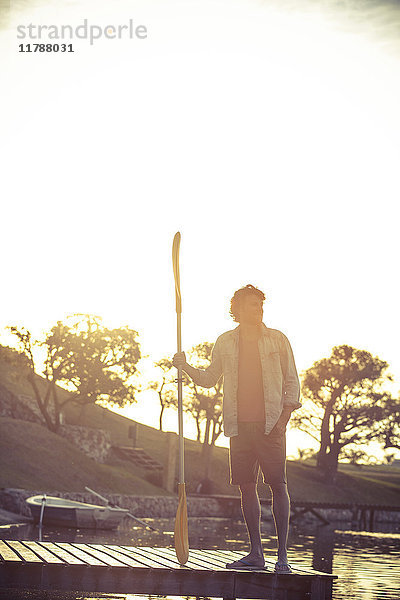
180, 407
178, 299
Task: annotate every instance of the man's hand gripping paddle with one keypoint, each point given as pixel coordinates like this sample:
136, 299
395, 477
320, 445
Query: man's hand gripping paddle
181, 520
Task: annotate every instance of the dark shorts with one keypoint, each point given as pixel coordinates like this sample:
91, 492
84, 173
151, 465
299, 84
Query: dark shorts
251, 450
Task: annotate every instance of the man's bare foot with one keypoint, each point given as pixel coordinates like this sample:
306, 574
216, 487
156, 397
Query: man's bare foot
282, 567
249, 562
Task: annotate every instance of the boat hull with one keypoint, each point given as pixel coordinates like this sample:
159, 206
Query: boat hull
75, 514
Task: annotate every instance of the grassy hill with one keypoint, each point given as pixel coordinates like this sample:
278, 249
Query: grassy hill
33, 458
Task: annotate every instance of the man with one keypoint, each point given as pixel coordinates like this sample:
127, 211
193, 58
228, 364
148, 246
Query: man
261, 388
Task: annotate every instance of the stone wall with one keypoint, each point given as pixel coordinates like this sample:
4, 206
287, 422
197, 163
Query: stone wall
30, 404
15, 407
13, 500
96, 443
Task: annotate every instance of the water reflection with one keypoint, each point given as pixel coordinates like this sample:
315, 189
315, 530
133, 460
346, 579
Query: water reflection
323, 548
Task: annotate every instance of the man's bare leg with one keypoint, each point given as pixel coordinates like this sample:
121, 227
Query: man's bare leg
252, 515
281, 514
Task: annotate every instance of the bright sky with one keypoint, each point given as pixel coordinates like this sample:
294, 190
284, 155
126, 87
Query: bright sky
266, 132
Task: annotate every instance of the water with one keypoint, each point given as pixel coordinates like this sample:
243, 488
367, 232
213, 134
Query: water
367, 564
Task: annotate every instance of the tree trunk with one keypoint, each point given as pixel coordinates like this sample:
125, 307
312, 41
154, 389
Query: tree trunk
57, 419
325, 439
198, 428
42, 404
325, 433
206, 441
161, 417
328, 464
213, 438
216, 432
207, 454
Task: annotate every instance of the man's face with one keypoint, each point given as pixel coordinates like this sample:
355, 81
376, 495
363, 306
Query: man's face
251, 310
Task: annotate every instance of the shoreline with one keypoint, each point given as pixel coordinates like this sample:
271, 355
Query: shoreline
13, 508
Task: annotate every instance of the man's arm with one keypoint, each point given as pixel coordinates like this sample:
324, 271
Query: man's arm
291, 383
206, 378
285, 417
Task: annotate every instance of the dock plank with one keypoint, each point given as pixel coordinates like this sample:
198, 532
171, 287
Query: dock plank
116, 555
65, 556
25, 553
141, 557
214, 560
232, 555
8, 554
204, 561
222, 557
200, 559
43, 553
96, 551
164, 560
78, 552
169, 555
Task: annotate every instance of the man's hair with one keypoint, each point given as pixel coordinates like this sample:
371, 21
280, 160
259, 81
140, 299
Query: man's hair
238, 296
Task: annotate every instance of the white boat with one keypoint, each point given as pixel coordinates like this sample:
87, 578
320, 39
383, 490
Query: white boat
60, 512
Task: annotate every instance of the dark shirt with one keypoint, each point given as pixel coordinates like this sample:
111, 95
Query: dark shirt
251, 407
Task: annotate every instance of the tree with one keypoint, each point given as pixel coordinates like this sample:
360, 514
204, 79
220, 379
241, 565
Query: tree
390, 431
94, 363
357, 457
165, 387
305, 453
344, 403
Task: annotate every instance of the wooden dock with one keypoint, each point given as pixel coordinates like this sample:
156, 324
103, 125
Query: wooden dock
154, 571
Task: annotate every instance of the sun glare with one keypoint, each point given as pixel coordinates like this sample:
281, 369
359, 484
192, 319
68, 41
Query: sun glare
267, 135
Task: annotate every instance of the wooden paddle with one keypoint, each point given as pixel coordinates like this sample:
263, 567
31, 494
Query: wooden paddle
181, 520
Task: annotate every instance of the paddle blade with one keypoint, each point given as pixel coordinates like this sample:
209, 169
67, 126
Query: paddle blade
175, 263
181, 538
